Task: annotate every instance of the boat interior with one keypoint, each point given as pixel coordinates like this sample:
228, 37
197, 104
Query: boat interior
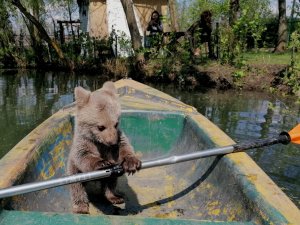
203, 189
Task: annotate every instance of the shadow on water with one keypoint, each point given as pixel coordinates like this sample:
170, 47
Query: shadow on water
28, 97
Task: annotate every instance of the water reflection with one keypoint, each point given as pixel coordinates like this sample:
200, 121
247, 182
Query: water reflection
29, 97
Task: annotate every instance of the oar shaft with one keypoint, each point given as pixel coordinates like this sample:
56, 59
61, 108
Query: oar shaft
187, 157
42, 185
84, 177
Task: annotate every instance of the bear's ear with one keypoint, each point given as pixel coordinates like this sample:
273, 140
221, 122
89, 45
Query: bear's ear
81, 96
109, 87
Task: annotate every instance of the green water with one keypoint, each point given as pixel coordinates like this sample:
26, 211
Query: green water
29, 97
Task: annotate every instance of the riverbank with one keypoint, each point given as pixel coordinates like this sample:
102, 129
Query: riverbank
266, 72
255, 77
213, 75
258, 71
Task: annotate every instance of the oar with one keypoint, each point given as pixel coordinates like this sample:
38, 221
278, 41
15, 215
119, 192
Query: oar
284, 138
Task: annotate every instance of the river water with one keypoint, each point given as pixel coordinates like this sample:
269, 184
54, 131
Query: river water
29, 97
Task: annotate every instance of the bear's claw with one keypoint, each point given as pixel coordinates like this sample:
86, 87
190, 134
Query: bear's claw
131, 164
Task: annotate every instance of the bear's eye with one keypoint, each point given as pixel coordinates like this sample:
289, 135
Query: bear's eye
101, 128
117, 124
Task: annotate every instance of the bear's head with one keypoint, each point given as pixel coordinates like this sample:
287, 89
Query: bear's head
98, 114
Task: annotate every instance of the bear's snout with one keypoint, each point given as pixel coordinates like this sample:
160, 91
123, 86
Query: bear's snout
111, 137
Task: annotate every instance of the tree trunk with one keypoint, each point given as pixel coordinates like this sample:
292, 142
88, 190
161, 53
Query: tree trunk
70, 18
173, 15
35, 43
291, 22
132, 24
43, 33
35, 38
234, 9
282, 27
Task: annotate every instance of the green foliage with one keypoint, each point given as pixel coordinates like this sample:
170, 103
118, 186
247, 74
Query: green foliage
125, 44
292, 76
246, 32
6, 35
230, 47
260, 7
238, 74
226, 39
85, 50
219, 9
169, 61
247, 26
269, 35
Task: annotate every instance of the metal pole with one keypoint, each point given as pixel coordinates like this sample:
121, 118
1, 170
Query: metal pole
118, 170
187, 157
41, 185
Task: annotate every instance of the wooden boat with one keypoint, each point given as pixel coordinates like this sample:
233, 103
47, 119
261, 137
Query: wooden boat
218, 190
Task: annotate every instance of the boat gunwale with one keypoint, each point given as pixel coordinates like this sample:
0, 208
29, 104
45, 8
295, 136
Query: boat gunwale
81, 219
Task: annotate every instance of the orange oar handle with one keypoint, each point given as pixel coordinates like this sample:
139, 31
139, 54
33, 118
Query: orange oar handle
295, 134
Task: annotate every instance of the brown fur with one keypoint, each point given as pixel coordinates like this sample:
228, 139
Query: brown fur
98, 143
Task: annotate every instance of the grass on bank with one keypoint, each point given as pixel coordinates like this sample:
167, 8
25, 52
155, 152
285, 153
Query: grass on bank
268, 58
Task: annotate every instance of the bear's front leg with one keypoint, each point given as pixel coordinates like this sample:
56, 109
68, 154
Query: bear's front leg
80, 202
127, 157
88, 163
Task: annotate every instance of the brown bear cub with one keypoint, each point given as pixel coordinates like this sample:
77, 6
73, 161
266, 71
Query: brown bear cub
98, 143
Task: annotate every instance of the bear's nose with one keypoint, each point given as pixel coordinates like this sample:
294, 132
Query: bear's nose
111, 143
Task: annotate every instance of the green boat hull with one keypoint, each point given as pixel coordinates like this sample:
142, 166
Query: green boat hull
228, 189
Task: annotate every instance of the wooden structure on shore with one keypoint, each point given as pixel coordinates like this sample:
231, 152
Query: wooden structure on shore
65, 24
101, 17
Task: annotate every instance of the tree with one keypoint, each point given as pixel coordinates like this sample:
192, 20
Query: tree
132, 24
234, 8
6, 37
6, 33
36, 42
291, 22
173, 15
282, 27
41, 30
